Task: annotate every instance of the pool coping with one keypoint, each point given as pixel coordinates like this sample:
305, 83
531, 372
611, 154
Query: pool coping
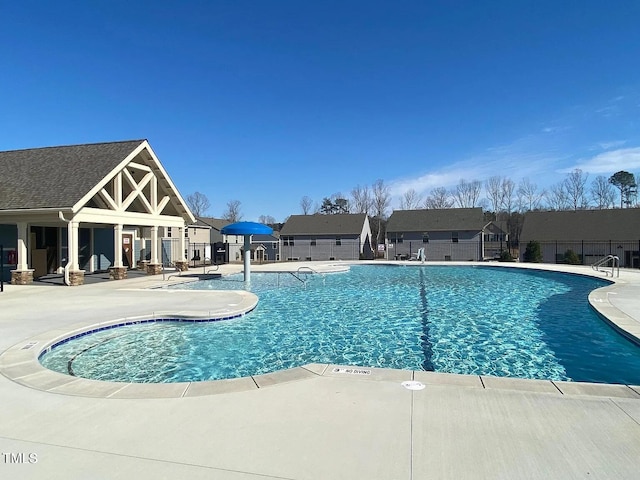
33, 375
20, 363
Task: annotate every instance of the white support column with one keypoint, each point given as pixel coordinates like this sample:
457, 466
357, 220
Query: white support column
92, 252
117, 246
154, 245
183, 256
117, 271
22, 275
22, 251
247, 258
73, 246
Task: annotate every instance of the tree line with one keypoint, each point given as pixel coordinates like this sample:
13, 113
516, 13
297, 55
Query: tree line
500, 197
501, 194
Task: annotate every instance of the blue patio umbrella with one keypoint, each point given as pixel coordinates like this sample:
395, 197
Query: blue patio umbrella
247, 229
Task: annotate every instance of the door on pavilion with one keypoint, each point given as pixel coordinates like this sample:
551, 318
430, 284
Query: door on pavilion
127, 249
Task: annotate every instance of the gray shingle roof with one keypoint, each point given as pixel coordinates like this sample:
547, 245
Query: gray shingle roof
595, 225
216, 223
339, 224
57, 177
431, 220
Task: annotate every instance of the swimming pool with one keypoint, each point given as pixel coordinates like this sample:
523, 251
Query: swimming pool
456, 319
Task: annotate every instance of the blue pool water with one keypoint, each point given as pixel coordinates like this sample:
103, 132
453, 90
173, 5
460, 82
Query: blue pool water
471, 320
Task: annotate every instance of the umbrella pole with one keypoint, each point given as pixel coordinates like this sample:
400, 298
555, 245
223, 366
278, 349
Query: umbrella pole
247, 258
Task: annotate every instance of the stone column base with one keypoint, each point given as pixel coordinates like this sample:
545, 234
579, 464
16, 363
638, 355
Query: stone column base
21, 277
118, 273
76, 278
142, 265
181, 265
154, 269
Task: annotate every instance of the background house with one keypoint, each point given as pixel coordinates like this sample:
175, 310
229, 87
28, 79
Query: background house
220, 248
215, 225
591, 234
446, 234
326, 237
265, 248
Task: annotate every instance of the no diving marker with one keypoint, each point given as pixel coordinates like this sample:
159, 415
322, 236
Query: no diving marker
351, 371
412, 385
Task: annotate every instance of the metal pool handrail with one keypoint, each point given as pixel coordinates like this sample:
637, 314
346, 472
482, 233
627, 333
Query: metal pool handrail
615, 265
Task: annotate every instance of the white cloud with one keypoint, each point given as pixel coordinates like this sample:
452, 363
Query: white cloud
529, 156
514, 161
613, 144
424, 183
610, 162
555, 148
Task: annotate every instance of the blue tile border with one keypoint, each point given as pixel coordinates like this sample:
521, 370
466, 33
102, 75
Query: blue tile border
138, 322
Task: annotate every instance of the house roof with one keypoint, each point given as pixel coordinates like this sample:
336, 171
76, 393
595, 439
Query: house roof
57, 177
338, 224
432, 220
216, 223
594, 225
264, 238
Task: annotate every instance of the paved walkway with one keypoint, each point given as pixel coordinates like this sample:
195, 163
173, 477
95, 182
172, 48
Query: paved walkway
314, 422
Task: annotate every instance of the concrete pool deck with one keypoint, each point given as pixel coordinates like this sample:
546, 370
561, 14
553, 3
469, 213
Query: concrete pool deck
312, 422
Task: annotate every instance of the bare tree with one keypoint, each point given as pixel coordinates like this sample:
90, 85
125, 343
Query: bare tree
410, 200
381, 201
514, 225
602, 193
438, 198
266, 219
500, 193
198, 203
361, 200
232, 214
306, 204
493, 189
466, 194
557, 197
529, 198
574, 187
508, 189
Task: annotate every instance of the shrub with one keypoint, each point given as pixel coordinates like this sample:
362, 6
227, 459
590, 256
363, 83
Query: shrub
533, 252
505, 256
571, 258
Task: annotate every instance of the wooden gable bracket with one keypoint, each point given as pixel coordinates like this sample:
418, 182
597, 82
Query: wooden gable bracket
138, 191
120, 204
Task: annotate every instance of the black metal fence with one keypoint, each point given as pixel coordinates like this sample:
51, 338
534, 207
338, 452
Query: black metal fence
437, 250
321, 249
197, 254
589, 252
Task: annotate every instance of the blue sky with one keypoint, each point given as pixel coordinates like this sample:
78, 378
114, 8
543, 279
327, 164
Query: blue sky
267, 101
